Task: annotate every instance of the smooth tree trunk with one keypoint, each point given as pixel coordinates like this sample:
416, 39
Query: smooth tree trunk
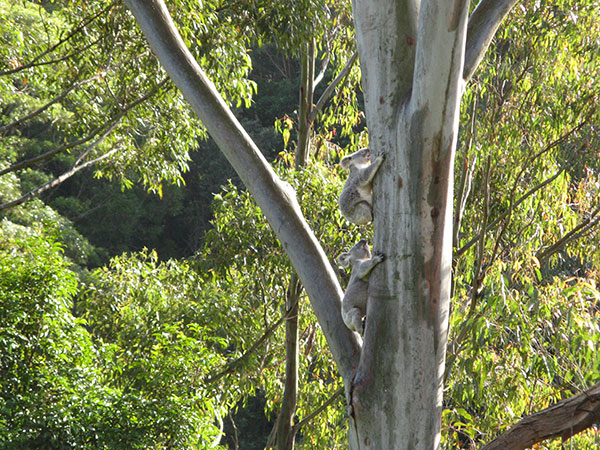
276, 198
412, 110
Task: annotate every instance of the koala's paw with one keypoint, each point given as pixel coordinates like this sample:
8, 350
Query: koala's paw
379, 256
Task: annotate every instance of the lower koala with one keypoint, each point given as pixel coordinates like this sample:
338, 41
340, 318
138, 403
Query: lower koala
354, 303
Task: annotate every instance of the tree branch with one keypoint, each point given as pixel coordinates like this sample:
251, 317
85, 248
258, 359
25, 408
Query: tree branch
236, 362
576, 233
53, 183
564, 420
319, 410
483, 24
324, 66
47, 105
530, 192
506, 213
276, 199
331, 88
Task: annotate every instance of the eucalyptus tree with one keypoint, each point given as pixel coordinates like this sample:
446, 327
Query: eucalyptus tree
415, 59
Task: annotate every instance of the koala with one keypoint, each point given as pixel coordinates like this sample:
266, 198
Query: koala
357, 195
354, 303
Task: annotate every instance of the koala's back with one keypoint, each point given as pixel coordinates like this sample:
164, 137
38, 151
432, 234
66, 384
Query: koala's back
355, 295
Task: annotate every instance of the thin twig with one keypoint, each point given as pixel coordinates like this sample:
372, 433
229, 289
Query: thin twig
319, 410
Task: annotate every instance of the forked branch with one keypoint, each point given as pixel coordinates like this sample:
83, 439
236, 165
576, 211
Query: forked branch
275, 198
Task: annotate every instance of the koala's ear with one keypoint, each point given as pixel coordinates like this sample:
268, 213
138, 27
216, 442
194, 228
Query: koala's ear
344, 259
345, 162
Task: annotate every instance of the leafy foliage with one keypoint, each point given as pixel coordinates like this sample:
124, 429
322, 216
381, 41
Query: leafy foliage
524, 330
242, 255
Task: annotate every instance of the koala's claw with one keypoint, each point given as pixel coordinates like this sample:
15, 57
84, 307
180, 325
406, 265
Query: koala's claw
380, 256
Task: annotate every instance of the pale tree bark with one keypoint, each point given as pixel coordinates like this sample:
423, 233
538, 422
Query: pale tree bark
412, 109
412, 56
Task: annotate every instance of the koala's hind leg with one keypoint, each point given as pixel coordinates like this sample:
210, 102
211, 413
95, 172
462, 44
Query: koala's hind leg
353, 318
361, 213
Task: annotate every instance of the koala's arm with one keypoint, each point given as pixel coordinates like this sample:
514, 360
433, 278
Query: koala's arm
363, 268
368, 173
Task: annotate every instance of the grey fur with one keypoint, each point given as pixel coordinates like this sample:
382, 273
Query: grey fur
354, 303
356, 198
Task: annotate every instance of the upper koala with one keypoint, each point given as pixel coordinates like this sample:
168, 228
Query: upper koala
357, 195
354, 303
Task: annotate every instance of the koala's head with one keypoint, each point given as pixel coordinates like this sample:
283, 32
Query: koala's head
359, 251
359, 159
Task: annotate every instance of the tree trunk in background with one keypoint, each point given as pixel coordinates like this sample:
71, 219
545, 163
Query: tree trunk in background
306, 104
285, 434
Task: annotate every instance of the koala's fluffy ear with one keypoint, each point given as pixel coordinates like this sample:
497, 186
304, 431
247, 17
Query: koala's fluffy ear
344, 259
345, 162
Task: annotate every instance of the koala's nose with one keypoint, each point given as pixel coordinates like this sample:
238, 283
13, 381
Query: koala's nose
362, 241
